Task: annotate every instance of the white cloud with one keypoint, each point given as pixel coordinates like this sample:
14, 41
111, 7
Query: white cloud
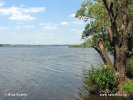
25, 27
77, 22
29, 26
51, 26
4, 28
77, 31
26, 38
22, 17
48, 26
2, 3
43, 24
21, 13
65, 23
72, 15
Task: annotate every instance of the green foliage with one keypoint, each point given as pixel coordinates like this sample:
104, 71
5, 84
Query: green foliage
130, 61
96, 33
128, 86
87, 43
75, 46
100, 80
99, 19
96, 13
129, 68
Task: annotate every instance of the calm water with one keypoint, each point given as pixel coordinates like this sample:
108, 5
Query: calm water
43, 73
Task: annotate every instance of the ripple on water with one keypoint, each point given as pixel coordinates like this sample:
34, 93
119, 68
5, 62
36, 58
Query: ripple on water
50, 73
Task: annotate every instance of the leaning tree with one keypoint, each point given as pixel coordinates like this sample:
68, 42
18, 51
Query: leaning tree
111, 28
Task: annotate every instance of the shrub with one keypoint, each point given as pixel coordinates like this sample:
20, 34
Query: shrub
128, 86
129, 69
100, 80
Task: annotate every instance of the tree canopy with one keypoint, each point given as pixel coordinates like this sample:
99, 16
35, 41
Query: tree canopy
95, 12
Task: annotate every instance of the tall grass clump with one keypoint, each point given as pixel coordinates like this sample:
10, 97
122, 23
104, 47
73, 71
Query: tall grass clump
100, 80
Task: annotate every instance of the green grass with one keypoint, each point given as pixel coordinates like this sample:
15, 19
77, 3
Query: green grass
86, 44
100, 80
128, 86
76, 46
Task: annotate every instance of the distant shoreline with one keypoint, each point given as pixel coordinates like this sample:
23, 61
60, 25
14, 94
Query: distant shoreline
40, 45
27, 45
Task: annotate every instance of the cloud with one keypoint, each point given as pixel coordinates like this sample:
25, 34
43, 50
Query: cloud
22, 17
65, 23
21, 13
77, 22
2, 3
26, 38
77, 31
51, 26
72, 15
25, 27
4, 28
48, 26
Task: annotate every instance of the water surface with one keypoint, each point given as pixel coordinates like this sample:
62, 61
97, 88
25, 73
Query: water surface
44, 73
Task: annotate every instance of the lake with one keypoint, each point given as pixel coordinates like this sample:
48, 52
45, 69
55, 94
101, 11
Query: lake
43, 73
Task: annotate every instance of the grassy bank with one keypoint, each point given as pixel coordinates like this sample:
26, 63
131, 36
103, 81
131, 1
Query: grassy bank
76, 46
103, 80
86, 44
100, 80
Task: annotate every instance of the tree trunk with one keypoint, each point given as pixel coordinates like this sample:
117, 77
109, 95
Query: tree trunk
120, 66
120, 40
101, 50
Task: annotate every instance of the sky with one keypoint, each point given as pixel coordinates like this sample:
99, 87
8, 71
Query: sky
40, 22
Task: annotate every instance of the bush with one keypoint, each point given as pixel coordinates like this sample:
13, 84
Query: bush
100, 80
129, 69
128, 86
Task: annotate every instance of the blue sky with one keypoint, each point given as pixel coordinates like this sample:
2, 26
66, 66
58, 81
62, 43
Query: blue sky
40, 22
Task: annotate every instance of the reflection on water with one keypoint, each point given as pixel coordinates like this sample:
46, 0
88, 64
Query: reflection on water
105, 98
43, 73
83, 94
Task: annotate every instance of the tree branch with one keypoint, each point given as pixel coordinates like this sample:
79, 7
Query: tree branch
106, 5
130, 29
104, 55
110, 34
